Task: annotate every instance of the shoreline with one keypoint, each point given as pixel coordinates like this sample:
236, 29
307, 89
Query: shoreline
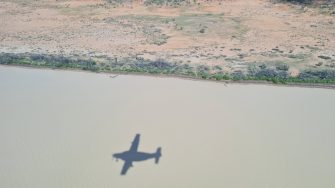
185, 42
225, 82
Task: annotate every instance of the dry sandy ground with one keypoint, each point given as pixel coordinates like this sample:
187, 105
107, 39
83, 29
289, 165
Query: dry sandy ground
230, 34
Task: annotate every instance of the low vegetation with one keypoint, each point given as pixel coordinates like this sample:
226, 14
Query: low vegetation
309, 1
276, 75
165, 2
154, 2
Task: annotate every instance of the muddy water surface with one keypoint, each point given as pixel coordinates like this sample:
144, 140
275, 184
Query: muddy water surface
60, 128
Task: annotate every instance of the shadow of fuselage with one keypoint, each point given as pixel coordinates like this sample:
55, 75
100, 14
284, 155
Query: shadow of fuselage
133, 155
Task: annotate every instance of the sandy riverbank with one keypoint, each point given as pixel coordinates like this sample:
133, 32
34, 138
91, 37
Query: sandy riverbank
242, 39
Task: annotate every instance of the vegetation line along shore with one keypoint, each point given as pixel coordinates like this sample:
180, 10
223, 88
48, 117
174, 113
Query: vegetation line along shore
276, 75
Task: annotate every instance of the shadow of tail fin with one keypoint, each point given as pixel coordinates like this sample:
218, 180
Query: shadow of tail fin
158, 155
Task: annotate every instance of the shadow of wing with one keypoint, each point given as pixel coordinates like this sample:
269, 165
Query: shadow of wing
135, 143
126, 166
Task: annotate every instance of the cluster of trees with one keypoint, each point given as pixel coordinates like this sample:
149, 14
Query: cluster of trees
295, 1
327, 2
179, 2
300, 1
154, 2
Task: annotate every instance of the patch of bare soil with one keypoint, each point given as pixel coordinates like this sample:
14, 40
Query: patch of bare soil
229, 34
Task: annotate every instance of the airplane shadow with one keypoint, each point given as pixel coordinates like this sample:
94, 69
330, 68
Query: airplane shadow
133, 155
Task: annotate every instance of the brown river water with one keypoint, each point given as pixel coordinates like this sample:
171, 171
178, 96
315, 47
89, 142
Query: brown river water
59, 129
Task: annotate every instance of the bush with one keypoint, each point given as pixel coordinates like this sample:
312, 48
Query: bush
220, 76
298, 1
317, 74
282, 67
165, 2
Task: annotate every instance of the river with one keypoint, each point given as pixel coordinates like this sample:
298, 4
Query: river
60, 129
